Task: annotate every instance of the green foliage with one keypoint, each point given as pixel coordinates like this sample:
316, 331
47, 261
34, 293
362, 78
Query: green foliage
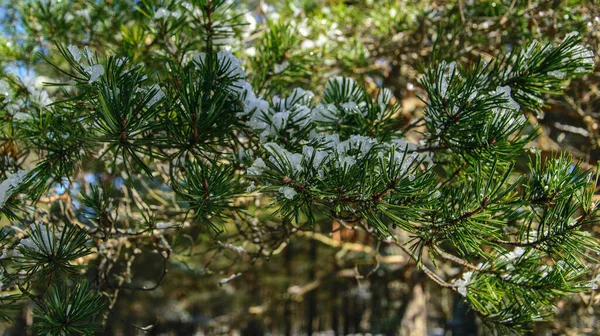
279, 63
209, 190
539, 69
173, 119
205, 106
48, 252
69, 311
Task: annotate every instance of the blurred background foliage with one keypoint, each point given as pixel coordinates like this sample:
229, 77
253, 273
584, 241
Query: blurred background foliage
321, 283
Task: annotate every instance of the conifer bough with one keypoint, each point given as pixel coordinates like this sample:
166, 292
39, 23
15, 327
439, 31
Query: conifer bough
206, 134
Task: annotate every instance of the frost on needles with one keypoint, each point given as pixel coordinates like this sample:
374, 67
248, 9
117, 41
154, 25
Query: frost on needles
207, 136
342, 156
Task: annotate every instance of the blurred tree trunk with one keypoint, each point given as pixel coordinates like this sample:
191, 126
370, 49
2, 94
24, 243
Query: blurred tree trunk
311, 297
287, 308
378, 285
254, 326
358, 311
463, 318
346, 309
335, 300
414, 319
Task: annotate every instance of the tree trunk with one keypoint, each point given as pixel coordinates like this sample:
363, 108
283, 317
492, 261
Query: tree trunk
311, 297
414, 321
463, 318
287, 307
